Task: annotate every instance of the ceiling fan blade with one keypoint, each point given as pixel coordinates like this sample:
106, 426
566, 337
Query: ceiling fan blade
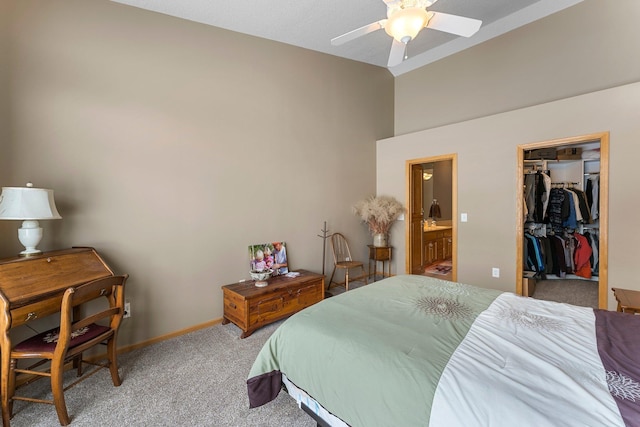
454, 24
396, 56
359, 32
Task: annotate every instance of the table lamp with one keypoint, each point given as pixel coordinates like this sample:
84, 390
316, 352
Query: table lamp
28, 205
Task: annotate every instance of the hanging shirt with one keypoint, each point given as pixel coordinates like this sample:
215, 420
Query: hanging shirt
558, 209
570, 220
576, 205
534, 255
546, 179
434, 210
595, 192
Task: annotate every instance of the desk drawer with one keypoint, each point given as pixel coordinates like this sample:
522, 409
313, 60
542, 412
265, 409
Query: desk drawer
36, 310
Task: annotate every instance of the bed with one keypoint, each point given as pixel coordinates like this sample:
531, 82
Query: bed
419, 351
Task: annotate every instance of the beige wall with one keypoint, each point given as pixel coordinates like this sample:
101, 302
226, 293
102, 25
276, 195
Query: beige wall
172, 146
570, 53
4, 91
5, 148
587, 47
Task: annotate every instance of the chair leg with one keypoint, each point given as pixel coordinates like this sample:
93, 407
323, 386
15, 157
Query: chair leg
113, 361
331, 280
346, 279
57, 373
7, 401
77, 363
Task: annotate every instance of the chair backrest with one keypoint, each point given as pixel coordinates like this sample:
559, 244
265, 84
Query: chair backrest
110, 288
340, 248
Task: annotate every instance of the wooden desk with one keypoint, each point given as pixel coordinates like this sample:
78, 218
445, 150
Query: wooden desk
32, 287
250, 307
382, 254
628, 301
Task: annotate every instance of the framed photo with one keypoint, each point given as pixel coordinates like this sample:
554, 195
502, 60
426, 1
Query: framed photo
269, 256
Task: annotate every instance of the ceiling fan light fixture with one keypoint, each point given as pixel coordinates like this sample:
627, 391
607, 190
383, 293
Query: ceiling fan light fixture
405, 24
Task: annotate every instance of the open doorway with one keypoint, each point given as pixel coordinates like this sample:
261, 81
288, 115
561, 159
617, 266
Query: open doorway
563, 252
432, 209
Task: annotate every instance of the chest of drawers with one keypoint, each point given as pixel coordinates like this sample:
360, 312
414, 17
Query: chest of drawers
250, 307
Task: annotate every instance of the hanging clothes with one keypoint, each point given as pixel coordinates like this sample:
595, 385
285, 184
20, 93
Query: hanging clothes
530, 195
434, 210
571, 220
534, 256
581, 256
558, 209
536, 195
593, 195
594, 242
546, 180
584, 207
576, 204
560, 264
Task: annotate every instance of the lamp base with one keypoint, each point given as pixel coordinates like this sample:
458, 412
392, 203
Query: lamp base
30, 235
30, 252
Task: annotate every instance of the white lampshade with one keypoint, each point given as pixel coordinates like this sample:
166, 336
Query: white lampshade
29, 205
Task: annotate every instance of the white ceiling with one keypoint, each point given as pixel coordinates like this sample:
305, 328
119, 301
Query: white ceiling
311, 24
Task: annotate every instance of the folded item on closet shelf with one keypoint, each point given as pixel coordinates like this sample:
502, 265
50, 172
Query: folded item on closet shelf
591, 154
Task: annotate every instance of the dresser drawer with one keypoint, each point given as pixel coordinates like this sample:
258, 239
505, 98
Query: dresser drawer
309, 295
267, 310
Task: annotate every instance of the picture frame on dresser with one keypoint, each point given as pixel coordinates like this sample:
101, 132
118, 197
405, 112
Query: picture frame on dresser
269, 256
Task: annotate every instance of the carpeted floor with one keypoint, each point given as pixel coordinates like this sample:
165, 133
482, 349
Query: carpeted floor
572, 291
198, 379
338, 289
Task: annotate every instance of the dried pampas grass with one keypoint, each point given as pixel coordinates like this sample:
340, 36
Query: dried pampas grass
379, 212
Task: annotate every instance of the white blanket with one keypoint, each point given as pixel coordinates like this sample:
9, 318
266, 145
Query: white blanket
511, 390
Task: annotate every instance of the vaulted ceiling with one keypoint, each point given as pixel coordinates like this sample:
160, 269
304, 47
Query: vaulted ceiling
311, 24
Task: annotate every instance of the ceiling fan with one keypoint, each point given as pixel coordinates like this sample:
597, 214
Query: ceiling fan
405, 19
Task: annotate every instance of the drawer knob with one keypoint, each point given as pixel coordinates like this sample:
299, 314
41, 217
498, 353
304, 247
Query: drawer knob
31, 315
48, 259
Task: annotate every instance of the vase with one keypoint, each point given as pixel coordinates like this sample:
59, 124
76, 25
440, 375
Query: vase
379, 240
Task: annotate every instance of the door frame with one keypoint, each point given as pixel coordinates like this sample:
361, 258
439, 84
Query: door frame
454, 208
603, 250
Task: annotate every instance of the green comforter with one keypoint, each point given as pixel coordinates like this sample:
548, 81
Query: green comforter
371, 348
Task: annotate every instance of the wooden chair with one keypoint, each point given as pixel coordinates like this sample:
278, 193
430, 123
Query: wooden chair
342, 259
71, 339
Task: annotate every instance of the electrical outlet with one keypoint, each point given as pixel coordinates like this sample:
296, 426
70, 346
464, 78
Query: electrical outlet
495, 272
127, 310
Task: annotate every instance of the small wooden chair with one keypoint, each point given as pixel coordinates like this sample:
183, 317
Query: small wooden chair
342, 259
70, 340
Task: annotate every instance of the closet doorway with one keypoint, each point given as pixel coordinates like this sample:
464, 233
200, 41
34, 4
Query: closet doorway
431, 233
573, 213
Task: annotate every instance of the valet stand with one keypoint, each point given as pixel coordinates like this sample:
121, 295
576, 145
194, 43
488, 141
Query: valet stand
324, 236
